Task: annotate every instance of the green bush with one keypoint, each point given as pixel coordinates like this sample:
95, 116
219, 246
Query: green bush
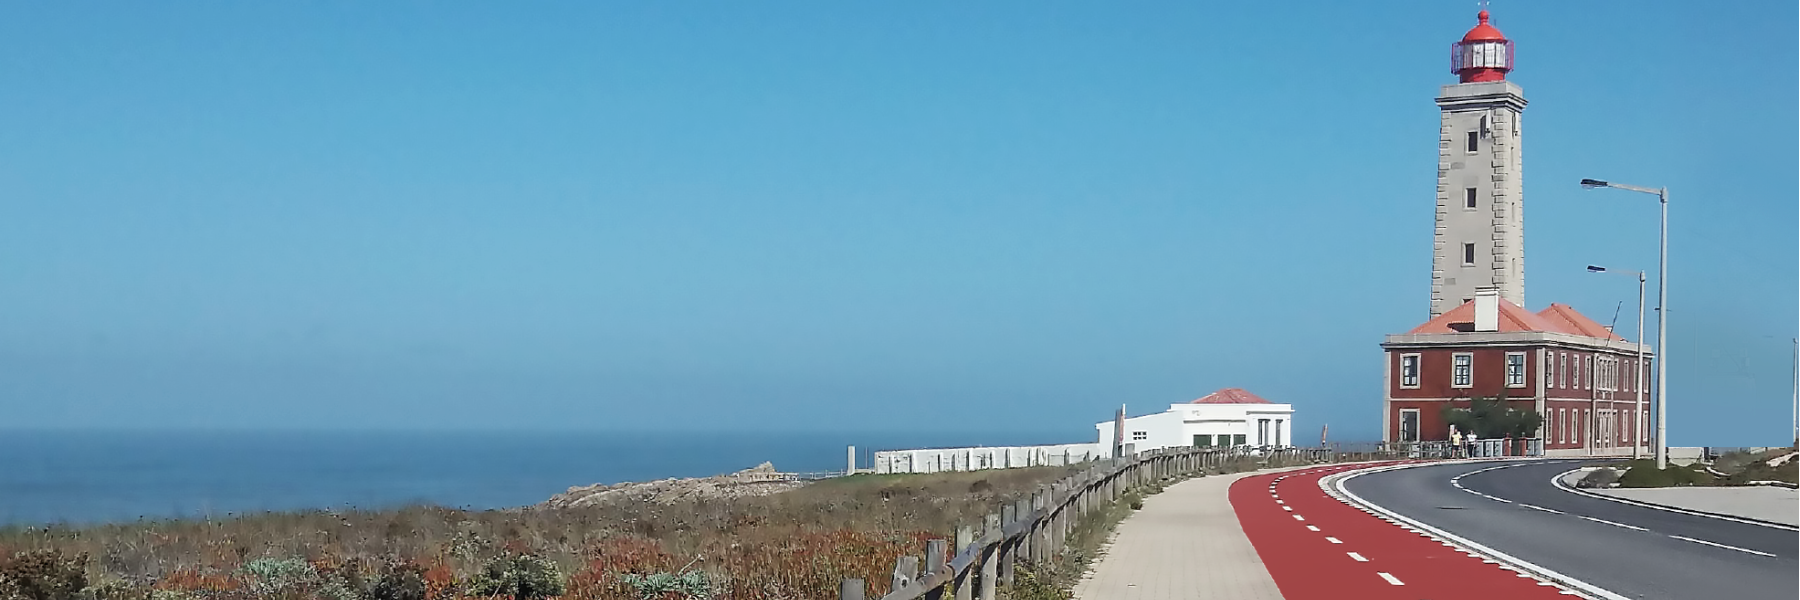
518, 576
692, 585
1644, 474
1599, 478
43, 575
400, 581
271, 577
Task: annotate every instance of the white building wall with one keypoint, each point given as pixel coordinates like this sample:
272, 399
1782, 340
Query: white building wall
938, 460
1178, 425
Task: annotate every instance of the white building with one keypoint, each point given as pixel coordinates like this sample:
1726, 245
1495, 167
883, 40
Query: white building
1228, 417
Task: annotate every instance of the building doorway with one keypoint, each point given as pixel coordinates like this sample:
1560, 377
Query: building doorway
1409, 424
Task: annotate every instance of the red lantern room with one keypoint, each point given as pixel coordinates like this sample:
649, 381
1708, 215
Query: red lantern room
1484, 54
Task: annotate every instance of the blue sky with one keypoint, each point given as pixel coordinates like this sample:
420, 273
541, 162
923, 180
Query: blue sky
772, 216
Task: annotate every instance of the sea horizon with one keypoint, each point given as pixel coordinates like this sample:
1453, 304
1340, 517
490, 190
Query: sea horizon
95, 476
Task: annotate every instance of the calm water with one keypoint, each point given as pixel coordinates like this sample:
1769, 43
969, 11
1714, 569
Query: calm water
110, 476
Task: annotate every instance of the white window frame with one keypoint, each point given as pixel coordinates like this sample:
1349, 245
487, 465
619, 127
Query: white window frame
1417, 363
1139, 436
1454, 358
1549, 369
1562, 419
1589, 380
1468, 254
1511, 381
1471, 199
1400, 425
1562, 370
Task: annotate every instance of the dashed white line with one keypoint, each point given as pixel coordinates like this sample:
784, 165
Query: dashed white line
1288, 508
1390, 578
1357, 557
1719, 545
1312, 527
1299, 518
1548, 510
1633, 527
1334, 540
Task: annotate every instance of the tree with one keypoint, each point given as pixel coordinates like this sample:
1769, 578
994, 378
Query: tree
1492, 418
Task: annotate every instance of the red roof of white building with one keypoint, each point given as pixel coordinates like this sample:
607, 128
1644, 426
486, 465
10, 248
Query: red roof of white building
1231, 396
1559, 318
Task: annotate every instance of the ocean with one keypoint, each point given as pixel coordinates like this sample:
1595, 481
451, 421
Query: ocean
97, 477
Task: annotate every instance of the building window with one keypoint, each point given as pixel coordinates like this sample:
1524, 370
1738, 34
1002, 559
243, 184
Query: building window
1462, 370
1409, 424
1138, 436
1474, 141
1468, 197
1409, 371
1589, 380
1515, 369
1238, 440
1468, 253
1562, 421
1549, 370
1203, 440
1562, 369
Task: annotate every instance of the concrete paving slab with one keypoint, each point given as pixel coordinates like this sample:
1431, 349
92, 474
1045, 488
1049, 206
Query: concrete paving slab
1777, 504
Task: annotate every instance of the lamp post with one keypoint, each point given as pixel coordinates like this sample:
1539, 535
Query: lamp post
1662, 316
1637, 433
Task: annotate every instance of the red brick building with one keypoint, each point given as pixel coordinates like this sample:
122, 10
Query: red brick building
1581, 377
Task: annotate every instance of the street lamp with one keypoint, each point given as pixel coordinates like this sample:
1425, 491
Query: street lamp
1637, 434
1662, 317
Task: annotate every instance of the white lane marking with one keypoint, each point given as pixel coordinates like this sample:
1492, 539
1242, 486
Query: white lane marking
1558, 484
1336, 487
1280, 502
1719, 545
1390, 578
1634, 527
1312, 527
1548, 510
1299, 518
1288, 508
1334, 540
1357, 557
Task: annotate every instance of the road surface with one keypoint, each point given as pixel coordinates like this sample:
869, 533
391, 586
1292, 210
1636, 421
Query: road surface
1633, 551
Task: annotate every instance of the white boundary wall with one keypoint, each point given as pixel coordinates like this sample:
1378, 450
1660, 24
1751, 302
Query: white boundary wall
940, 460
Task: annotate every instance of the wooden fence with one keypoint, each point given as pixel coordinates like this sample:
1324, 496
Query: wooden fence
1035, 529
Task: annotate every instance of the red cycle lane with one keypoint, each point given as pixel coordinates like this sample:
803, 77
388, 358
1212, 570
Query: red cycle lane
1356, 555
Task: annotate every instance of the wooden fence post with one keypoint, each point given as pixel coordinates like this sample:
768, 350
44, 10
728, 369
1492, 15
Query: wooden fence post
1025, 551
850, 589
934, 562
905, 571
965, 581
1009, 549
990, 567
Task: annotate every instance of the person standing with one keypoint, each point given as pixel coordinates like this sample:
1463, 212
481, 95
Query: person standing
1455, 442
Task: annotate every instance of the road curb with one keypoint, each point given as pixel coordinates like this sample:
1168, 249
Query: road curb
1558, 482
1333, 485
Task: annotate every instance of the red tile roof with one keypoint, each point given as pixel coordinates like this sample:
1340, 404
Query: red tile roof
1462, 319
1559, 318
1575, 322
1231, 396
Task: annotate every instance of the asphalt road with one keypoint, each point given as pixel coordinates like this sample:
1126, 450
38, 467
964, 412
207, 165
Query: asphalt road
1628, 550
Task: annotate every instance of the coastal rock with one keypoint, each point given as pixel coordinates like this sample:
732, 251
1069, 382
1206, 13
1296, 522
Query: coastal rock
760, 480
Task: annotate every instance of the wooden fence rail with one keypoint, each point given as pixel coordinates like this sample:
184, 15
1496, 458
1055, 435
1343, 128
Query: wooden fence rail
1035, 529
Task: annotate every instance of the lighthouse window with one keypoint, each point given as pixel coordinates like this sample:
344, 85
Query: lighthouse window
1474, 141
1469, 197
1468, 253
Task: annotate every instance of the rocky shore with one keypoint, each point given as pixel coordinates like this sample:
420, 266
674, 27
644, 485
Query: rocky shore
760, 480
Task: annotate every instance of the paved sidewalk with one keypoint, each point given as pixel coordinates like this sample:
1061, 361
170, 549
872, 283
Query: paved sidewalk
1184, 544
1781, 505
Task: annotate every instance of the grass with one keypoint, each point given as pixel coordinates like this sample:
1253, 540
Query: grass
795, 544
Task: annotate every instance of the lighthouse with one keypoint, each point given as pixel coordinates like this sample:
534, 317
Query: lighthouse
1479, 240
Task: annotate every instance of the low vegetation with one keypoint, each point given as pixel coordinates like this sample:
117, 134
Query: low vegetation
1491, 418
792, 545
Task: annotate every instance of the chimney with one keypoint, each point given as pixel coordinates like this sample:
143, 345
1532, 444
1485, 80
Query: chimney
1487, 309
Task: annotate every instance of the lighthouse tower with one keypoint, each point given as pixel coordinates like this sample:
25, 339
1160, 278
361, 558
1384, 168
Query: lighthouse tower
1479, 241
